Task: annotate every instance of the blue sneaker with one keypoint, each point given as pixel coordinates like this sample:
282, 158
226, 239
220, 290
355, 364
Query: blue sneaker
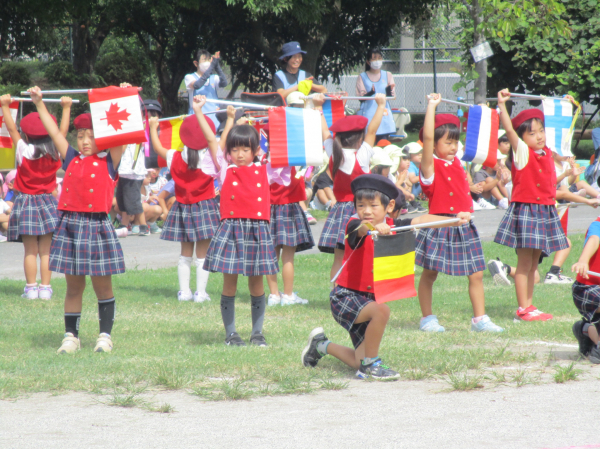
431, 324
485, 325
376, 371
135, 230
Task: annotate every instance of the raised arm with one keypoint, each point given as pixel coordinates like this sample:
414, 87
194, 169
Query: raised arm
428, 132
513, 138
59, 140
156, 144
228, 125
65, 102
376, 120
583, 264
213, 145
5, 101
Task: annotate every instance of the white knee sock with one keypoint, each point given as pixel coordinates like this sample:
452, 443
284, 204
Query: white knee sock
201, 277
183, 270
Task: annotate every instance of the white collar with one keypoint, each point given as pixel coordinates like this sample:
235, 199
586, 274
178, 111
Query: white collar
446, 160
101, 155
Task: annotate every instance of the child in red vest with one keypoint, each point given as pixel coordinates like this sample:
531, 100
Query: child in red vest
455, 251
531, 224
34, 216
352, 302
586, 295
243, 243
194, 217
350, 156
85, 242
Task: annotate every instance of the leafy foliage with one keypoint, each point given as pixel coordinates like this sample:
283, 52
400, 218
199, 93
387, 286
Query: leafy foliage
61, 73
14, 73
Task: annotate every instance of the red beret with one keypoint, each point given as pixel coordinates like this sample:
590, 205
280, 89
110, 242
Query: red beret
83, 121
191, 134
526, 115
443, 119
350, 123
33, 127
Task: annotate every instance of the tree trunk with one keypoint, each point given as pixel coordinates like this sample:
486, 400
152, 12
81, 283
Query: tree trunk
481, 66
86, 45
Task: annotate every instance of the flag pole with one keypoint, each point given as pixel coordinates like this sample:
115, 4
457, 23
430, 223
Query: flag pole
239, 103
187, 115
534, 97
418, 226
576, 204
593, 273
45, 100
339, 97
64, 91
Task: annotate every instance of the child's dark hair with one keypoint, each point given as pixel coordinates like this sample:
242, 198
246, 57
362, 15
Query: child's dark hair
526, 126
450, 128
242, 136
503, 138
42, 147
370, 194
202, 52
193, 159
349, 139
400, 202
370, 53
378, 169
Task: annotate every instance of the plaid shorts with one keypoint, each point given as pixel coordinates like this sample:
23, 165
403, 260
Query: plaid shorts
527, 225
587, 300
85, 243
32, 215
346, 305
191, 222
334, 230
454, 250
290, 227
242, 246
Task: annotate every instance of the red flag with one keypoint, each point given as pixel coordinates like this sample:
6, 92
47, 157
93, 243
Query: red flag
7, 151
563, 214
116, 116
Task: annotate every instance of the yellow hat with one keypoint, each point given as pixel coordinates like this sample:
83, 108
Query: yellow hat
305, 86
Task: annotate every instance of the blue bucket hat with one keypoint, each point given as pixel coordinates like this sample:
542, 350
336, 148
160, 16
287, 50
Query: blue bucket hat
290, 49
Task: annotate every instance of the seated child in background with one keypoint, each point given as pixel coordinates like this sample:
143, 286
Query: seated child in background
353, 306
152, 210
380, 163
586, 295
404, 184
323, 197
415, 152
166, 198
494, 181
8, 194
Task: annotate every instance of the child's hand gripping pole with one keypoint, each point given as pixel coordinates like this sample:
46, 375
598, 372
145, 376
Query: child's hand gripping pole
45, 100
421, 225
458, 103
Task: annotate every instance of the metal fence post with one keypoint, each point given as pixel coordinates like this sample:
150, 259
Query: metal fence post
435, 89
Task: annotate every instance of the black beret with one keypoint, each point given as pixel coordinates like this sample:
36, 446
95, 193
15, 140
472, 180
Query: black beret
375, 182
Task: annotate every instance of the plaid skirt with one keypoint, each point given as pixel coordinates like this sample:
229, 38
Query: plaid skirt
454, 250
346, 304
536, 226
191, 222
32, 215
242, 246
290, 227
586, 299
334, 230
85, 243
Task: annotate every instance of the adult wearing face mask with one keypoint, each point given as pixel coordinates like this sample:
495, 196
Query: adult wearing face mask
205, 81
376, 81
290, 76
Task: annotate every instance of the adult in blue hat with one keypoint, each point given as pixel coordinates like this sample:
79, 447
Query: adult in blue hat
286, 80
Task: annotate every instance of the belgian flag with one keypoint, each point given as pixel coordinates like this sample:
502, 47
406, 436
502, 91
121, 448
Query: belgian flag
394, 266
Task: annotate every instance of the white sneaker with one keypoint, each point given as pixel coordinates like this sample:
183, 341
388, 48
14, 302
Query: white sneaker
287, 300
30, 292
70, 344
104, 343
201, 297
45, 293
121, 233
476, 206
484, 204
560, 279
485, 325
3, 238
185, 296
431, 324
498, 272
274, 300
503, 203
299, 300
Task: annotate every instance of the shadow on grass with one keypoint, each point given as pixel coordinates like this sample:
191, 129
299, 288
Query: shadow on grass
11, 291
158, 292
202, 337
46, 340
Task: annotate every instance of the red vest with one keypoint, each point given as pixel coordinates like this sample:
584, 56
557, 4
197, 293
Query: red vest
341, 181
293, 193
245, 193
536, 182
357, 273
37, 176
449, 193
191, 185
87, 186
594, 265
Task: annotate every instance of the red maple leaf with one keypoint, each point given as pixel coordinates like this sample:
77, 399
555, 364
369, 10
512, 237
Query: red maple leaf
114, 116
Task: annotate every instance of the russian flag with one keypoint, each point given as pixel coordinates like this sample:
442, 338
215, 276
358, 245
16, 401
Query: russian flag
333, 110
481, 146
295, 137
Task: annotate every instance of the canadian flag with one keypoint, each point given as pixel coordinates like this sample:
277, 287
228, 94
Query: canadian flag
5, 140
116, 116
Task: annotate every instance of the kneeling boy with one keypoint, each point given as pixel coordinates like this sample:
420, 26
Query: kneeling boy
352, 305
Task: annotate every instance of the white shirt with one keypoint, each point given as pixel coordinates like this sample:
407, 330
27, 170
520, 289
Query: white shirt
127, 169
363, 155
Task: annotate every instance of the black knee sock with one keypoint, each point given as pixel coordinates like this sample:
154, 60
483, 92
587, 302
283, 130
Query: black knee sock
554, 270
106, 314
72, 323
258, 312
228, 313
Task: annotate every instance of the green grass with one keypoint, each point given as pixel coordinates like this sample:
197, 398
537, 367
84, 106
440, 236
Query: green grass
162, 344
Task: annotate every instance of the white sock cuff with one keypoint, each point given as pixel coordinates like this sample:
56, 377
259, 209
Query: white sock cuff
199, 263
185, 261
